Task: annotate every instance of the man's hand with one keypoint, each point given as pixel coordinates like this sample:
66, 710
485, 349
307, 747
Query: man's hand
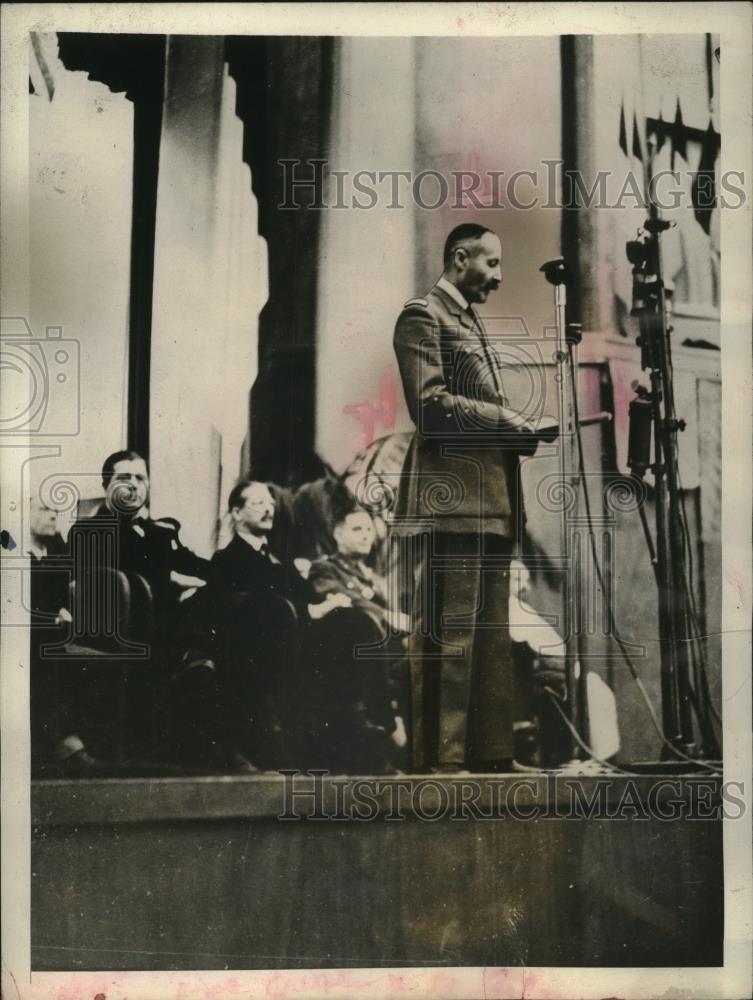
398, 621
516, 420
188, 584
330, 602
531, 435
183, 580
526, 440
548, 429
303, 566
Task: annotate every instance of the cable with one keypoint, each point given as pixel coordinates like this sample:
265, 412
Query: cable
691, 598
597, 565
669, 403
696, 651
698, 659
555, 700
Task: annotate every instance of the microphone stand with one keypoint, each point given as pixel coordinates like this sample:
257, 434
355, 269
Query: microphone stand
675, 625
556, 274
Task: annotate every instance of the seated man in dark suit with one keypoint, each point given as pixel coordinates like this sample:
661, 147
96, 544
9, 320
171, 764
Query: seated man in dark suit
261, 611
144, 546
53, 727
122, 538
49, 587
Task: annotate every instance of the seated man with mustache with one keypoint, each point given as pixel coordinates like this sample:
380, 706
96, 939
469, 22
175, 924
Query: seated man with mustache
261, 611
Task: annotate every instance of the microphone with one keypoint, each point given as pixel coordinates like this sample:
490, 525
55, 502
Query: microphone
555, 271
641, 415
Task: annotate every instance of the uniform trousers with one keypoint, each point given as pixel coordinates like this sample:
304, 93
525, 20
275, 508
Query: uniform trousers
461, 653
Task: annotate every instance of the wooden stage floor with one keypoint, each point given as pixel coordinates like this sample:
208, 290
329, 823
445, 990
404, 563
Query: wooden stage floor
312, 871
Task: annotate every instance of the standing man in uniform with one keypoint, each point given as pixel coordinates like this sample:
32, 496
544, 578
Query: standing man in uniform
460, 479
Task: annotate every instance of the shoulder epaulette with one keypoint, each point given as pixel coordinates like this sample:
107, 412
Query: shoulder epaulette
416, 302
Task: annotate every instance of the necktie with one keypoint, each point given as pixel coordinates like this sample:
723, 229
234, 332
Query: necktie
492, 359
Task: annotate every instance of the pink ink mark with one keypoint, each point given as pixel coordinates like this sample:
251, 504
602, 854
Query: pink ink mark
388, 398
482, 194
275, 985
402, 982
72, 990
494, 981
381, 415
442, 985
460, 23
345, 978
230, 987
737, 582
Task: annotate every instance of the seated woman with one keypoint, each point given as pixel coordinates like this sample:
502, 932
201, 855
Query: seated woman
360, 655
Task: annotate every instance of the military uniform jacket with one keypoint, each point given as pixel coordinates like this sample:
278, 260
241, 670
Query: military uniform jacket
339, 574
461, 470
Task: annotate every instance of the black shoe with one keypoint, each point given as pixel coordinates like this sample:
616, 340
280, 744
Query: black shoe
79, 764
508, 765
238, 764
450, 769
503, 766
526, 768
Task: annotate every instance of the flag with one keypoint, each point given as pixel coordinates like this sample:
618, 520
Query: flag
660, 136
679, 144
623, 131
629, 214
637, 151
703, 189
